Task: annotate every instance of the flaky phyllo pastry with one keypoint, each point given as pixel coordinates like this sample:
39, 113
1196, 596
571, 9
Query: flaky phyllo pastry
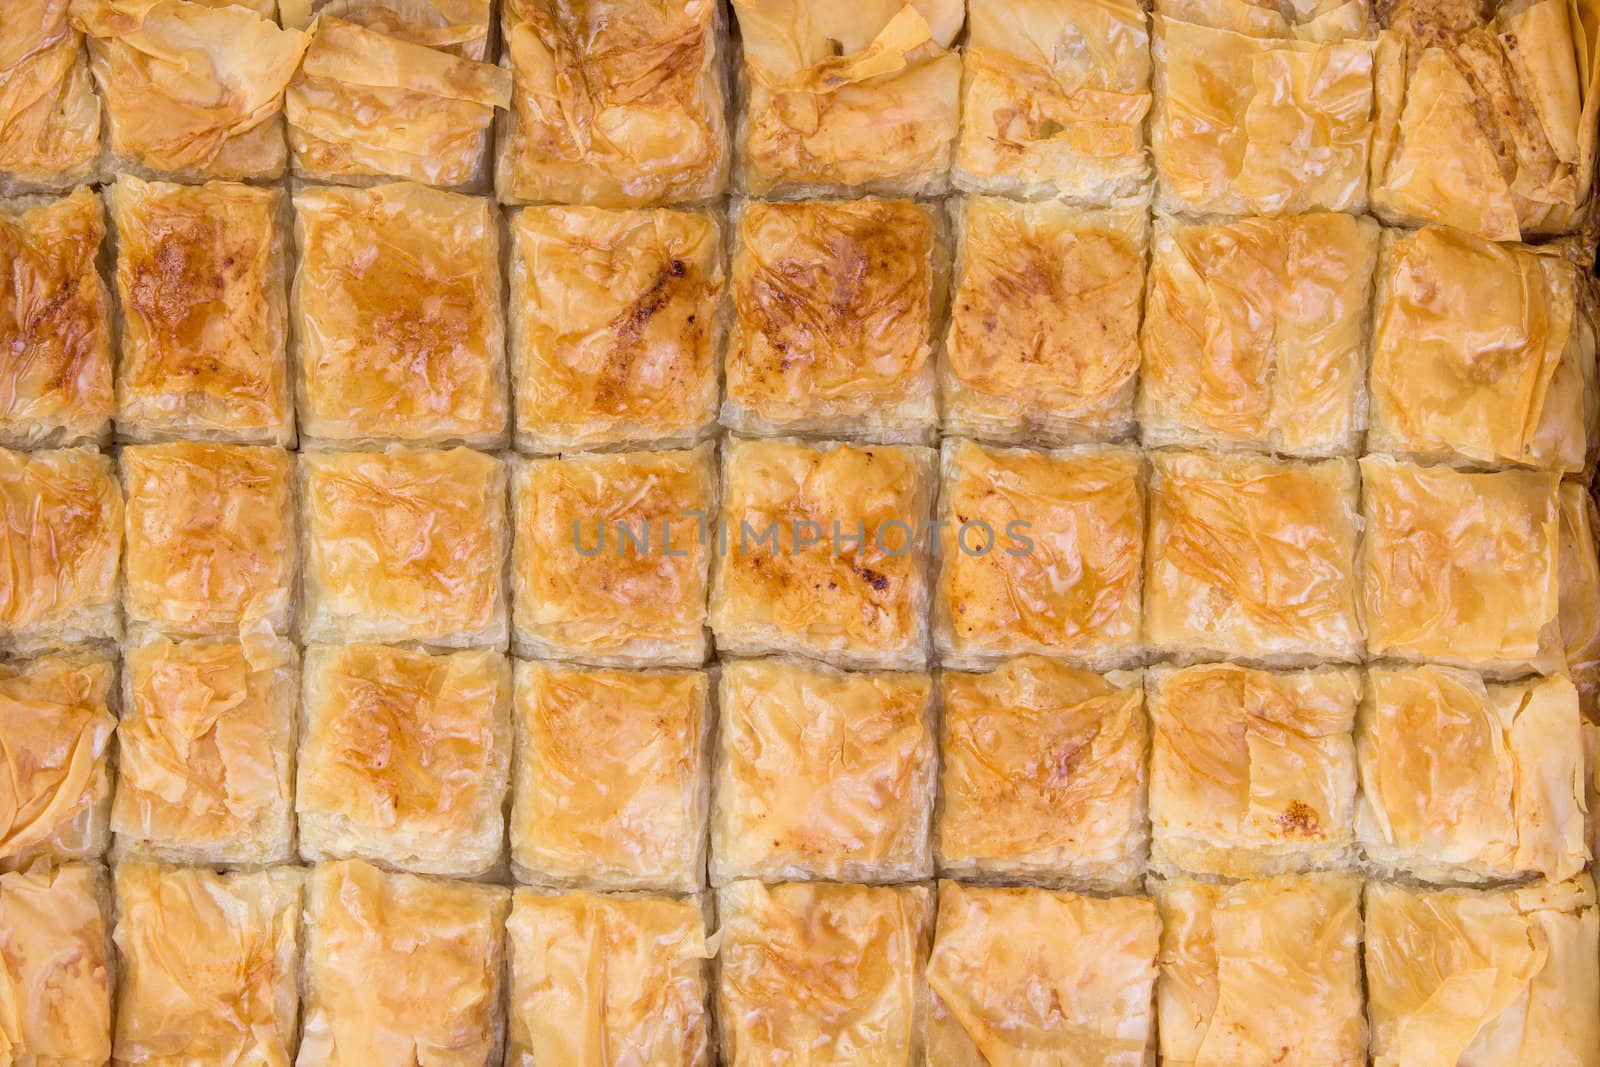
49, 115
55, 972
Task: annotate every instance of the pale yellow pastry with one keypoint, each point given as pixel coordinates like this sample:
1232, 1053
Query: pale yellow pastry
1580, 591
457, 27
49, 115
55, 967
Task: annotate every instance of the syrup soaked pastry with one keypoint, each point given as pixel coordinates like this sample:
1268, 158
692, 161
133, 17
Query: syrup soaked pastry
55, 315
834, 970
1053, 100
1255, 334
1463, 782
1580, 591
834, 306
455, 27
201, 274
1043, 345
1043, 776
1021, 976
55, 967
605, 979
864, 94
617, 103
822, 774
49, 115
1460, 976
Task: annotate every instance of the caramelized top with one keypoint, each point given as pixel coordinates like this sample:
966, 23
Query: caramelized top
60, 540
55, 968
460, 27
49, 115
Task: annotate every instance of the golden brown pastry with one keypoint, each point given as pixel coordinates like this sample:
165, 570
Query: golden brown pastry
611, 555
615, 327
1255, 334
55, 967
1028, 976
822, 774
404, 757
204, 751
401, 969
457, 27
49, 115
397, 309
1591, 747
1508, 978
1580, 591
831, 973
610, 787
834, 307
617, 103
1043, 776
599, 980
208, 965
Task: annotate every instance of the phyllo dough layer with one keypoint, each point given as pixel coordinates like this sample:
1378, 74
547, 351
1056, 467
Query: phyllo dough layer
1579, 564
55, 967
456, 27
49, 114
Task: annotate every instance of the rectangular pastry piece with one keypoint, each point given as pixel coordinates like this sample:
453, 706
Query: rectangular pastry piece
822, 773
834, 311
607, 979
1580, 591
611, 557
1507, 977
49, 114
202, 279
208, 965
847, 96
55, 320
616, 327
1262, 973
205, 750
397, 312
1043, 776
1463, 782
404, 758
1039, 552
823, 552
837, 971
610, 784
404, 545
55, 966
1256, 332
402, 969
616, 103
1023, 976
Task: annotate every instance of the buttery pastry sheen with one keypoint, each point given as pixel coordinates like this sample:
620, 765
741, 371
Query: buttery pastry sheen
55, 966
49, 114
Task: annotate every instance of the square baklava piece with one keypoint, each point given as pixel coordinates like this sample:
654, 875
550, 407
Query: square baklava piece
615, 327
822, 773
1255, 334
609, 790
205, 749
47, 103
398, 314
404, 545
55, 966
201, 275
404, 757
611, 557
1043, 776
834, 307
1043, 345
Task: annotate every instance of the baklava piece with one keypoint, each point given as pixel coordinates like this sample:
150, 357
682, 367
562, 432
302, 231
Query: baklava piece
1467, 782
404, 758
1047, 113
1252, 773
603, 979
615, 327
456, 27
1252, 557
617, 103
1255, 334
201, 273
204, 751
1508, 978
1040, 552
208, 965
1031, 976
822, 774
611, 557
834, 307
404, 545
859, 94
1043, 776
1263, 973
1461, 568
609, 790
1580, 591
55, 320
398, 315
837, 971
55, 967
211, 538
823, 552
49, 114
401, 969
